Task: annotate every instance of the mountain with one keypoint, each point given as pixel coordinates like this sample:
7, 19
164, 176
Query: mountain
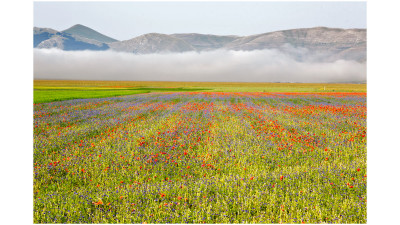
42, 34
152, 43
317, 44
70, 42
49, 38
88, 33
202, 42
312, 38
337, 43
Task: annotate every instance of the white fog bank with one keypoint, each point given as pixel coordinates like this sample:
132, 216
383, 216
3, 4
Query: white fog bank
224, 66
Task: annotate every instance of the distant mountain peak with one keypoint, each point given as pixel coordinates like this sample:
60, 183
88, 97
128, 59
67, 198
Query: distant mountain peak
86, 32
79, 25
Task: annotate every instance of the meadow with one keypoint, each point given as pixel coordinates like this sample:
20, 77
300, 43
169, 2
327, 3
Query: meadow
59, 90
213, 156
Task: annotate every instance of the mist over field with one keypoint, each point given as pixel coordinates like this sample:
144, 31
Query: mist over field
290, 65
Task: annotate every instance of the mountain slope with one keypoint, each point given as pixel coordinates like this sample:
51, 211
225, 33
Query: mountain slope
70, 42
89, 33
341, 42
152, 43
203, 42
42, 34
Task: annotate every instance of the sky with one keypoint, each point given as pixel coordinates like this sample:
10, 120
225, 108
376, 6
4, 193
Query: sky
125, 20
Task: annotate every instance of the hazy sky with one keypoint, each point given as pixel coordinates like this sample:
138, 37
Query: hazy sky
125, 20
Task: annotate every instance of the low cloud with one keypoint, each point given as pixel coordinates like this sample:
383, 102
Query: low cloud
220, 65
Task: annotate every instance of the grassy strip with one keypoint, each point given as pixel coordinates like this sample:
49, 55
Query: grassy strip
51, 94
42, 96
49, 91
210, 86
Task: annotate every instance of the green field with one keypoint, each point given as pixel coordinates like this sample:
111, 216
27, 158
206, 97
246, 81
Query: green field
58, 90
49, 94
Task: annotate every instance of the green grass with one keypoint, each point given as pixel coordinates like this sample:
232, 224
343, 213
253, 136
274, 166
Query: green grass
59, 90
42, 96
51, 94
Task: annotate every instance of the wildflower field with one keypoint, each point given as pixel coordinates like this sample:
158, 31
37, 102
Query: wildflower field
59, 90
202, 157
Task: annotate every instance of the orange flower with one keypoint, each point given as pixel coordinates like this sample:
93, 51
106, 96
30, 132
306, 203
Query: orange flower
100, 202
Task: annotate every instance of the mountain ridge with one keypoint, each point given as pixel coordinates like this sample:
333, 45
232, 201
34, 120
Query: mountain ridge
152, 43
331, 43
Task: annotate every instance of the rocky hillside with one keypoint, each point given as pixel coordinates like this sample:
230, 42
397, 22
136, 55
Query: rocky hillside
152, 43
42, 34
204, 42
332, 42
